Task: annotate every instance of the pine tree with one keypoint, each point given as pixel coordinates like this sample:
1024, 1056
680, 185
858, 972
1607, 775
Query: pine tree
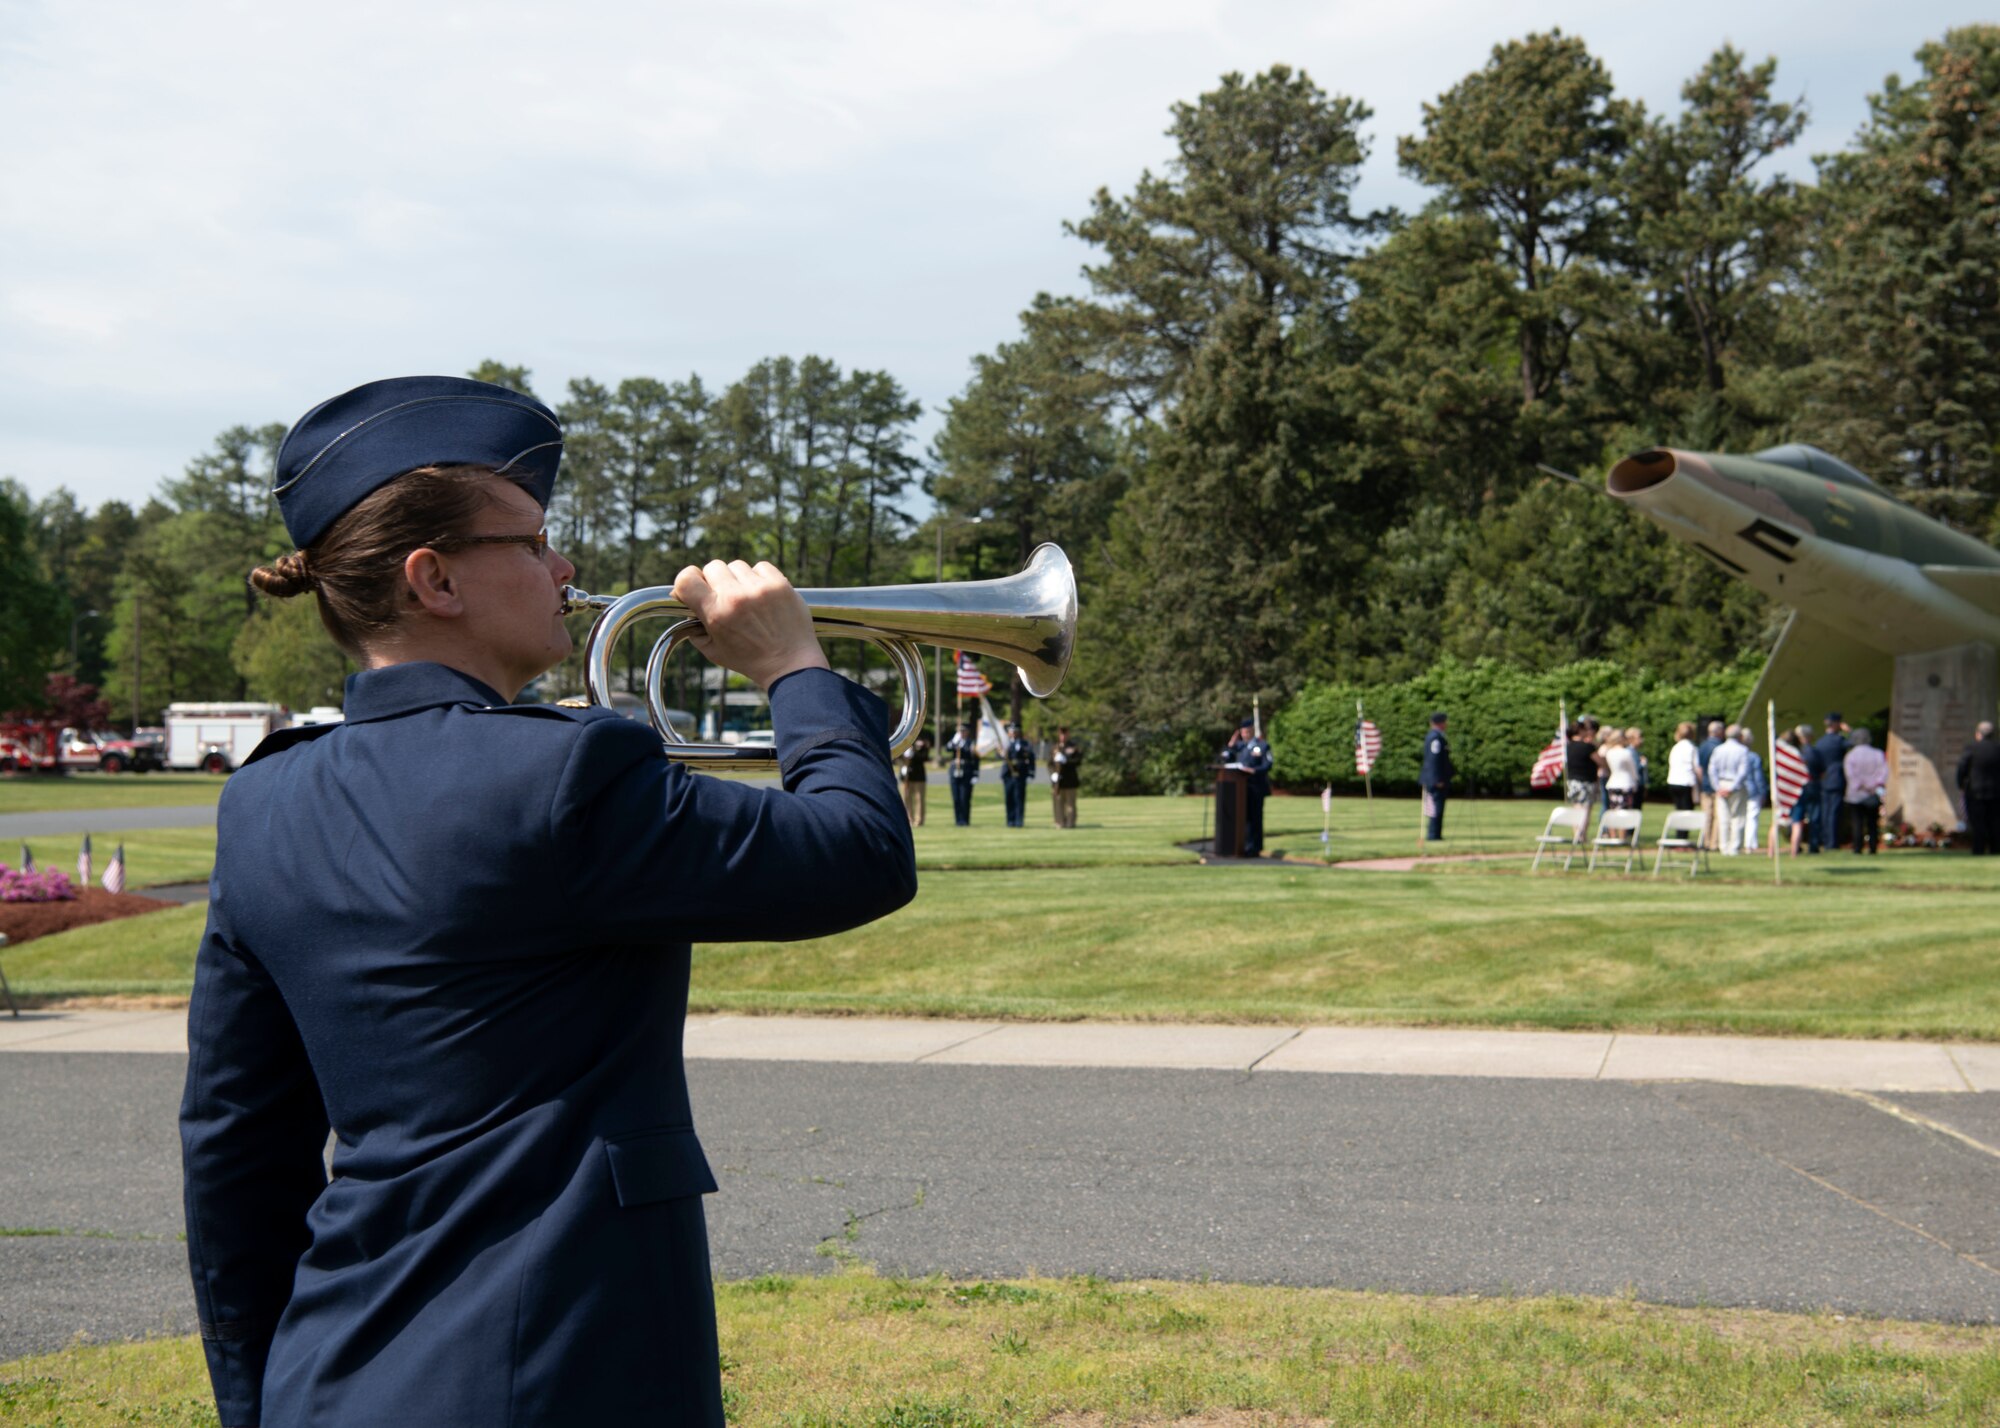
1532, 144
1907, 284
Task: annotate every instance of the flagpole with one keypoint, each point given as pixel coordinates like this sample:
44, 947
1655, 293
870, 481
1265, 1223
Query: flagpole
1771, 788
1562, 738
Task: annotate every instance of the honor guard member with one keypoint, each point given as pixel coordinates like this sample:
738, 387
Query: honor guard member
1253, 754
456, 932
1435, 776
961, 759
1017, 766
916, 773
1065, 760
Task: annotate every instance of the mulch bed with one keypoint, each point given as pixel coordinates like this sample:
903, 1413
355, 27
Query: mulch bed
25, 921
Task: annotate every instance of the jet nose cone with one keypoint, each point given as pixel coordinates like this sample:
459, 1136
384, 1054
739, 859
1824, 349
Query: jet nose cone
1641, 472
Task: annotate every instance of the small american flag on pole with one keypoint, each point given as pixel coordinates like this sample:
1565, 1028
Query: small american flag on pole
114, 874
1788, 777
1367, 746
971, 683
83, 863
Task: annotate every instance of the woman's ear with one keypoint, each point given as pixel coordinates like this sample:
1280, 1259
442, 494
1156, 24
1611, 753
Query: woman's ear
425, 572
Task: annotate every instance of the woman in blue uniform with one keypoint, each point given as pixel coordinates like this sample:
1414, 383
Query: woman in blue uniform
456, 932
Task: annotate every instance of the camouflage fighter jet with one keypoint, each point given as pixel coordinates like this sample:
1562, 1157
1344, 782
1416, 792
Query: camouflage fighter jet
1868, 578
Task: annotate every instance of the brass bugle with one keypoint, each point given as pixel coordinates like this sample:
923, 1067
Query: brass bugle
1027, 619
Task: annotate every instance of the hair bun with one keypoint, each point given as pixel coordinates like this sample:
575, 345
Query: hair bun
284, 577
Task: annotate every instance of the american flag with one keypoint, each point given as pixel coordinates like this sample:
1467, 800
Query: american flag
1548, 765
971, 683
1367, 746
114, 875
1788, 777
83, 863
1549, 762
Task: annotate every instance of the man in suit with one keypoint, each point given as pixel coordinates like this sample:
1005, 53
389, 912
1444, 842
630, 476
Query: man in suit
1832, 751
1979, 785
456, 933
1065, 759
1805, 812
1017, 766
1435, 778
961, 761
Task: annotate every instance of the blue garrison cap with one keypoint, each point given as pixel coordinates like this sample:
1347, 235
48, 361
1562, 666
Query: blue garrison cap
345, 448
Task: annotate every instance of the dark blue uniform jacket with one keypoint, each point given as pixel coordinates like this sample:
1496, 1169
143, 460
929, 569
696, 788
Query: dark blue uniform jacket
457, 933
1437, 767
1254, 756
1832, 750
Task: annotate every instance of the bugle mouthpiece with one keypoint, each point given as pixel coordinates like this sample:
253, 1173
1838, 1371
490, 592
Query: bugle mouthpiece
575, 600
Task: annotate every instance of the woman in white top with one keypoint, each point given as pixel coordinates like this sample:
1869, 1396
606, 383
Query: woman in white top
1621, 770
1681, 768
1622, 765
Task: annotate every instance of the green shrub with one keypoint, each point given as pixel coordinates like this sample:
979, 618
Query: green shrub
1501, 717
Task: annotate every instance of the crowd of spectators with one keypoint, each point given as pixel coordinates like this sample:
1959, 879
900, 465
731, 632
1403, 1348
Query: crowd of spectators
1723, 775
1607, 768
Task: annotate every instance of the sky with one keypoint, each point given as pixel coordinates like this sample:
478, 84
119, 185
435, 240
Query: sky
220, 213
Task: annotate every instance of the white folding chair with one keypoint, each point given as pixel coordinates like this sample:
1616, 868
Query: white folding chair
1569, 819
1682, 834
1616, 821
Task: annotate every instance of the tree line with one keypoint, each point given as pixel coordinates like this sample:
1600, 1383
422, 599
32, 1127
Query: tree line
1288, 442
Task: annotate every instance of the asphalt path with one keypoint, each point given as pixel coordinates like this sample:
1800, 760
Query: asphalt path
1680, 1193
95, 820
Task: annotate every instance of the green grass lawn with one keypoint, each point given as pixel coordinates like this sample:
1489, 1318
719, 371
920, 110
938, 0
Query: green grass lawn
1316, 945
151, 953
852, 1350
1110, 920
43, 793
152, 855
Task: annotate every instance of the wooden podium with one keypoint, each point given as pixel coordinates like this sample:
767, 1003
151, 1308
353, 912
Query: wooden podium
1232, 803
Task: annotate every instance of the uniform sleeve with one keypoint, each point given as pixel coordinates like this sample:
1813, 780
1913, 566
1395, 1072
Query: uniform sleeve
253, 1134
651, 848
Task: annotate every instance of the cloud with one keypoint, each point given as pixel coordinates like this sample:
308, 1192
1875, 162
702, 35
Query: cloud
224, 212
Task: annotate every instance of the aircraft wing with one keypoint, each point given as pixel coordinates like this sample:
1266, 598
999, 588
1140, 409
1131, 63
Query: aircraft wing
1978, 584
1814, 670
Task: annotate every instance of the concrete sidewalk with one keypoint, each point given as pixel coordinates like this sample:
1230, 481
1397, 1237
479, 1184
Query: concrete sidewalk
1353, 1050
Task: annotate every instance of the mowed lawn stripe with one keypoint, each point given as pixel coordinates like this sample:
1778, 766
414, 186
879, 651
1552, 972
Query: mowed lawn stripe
1453, 943
1227, 944
854, 1350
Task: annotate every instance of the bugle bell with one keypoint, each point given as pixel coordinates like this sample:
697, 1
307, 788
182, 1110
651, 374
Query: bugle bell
1027, 619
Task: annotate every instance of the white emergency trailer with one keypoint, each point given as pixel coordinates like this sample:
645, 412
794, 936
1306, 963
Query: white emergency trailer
217, 738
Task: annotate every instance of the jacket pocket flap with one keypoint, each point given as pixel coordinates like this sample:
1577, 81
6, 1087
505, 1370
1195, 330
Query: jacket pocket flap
658, 1165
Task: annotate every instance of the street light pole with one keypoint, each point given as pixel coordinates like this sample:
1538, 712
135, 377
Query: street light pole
135, 664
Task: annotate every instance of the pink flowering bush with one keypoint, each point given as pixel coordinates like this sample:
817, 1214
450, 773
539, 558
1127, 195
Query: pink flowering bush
38, 885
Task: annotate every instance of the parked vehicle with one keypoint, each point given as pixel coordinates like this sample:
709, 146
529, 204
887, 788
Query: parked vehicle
217, 738
35, 746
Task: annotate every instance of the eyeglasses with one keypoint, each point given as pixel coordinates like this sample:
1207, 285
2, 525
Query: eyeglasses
538, 542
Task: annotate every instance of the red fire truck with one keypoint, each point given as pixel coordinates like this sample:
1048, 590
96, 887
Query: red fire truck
33, 746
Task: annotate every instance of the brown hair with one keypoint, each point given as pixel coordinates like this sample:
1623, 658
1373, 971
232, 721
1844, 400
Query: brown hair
356, 568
